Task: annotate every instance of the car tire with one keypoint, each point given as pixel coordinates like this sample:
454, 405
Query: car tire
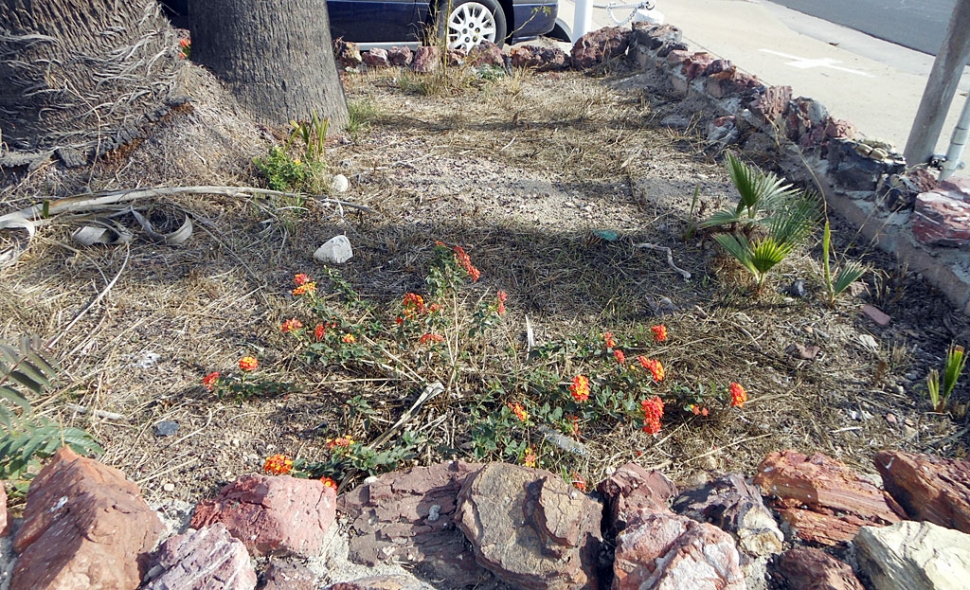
466, 23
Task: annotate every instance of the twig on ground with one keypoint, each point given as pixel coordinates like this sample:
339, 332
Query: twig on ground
53, 341
670, 257
96, 413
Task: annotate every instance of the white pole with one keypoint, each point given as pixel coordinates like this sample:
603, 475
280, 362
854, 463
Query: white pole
960, 134
583, 18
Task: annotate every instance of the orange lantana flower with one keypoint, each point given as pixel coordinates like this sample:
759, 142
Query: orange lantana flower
291, 325
659, 333
580, 388
653, 411
519, 412
278, 465
248, 363
210, 380
654, 366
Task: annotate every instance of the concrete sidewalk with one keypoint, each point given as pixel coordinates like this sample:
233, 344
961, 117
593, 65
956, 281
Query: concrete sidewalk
873, 84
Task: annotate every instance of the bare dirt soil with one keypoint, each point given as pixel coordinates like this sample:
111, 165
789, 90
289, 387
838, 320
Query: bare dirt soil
524, 171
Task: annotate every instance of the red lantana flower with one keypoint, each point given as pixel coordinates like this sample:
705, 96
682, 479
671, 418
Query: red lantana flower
291, 325
519, 412
738, 395
653, 411
301, 279
501, 296
210, 380
578, 482
654, 366
608, 340
248, 363
619, 356
319, 331
428, 338
328, 482
659, 333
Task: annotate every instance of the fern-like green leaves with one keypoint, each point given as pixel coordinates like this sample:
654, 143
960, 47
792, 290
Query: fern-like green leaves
26, 439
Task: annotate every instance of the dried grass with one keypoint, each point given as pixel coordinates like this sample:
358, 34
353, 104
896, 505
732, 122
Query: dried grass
520, 171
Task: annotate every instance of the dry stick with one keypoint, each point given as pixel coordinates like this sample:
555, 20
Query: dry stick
100, 200
670, 258
96, 413
53, 341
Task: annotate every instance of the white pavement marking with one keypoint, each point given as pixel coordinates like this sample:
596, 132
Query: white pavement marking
825, 62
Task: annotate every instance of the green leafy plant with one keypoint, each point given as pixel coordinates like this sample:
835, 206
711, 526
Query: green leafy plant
952, 368
850, 272
26, 439
531, 409
305, 172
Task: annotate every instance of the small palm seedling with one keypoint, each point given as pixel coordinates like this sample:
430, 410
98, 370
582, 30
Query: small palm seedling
26, 439
759, 192
850, 272
779, 217
953, 367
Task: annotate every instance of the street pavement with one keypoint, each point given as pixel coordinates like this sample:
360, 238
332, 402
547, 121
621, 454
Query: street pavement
874, 84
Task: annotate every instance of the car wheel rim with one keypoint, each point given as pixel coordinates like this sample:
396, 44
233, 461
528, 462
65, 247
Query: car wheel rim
469, 25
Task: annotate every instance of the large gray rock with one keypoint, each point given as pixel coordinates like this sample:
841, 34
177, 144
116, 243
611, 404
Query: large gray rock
914, 555
666, 551
409, 516
733, 505
208, 558
530, 528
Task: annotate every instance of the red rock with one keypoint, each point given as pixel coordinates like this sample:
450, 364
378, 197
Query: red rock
839, 129
773, 103
400, 56
633, 490
84, 524
698, 64
272, 515
527, 56
289, 576
600, 46
821, 498
409, 516
662, 550
543, 59
875, 314
486, 53
730, 81
376, 58
929, 488
941, 217
807, 568
207, 558
426, 59
530, 528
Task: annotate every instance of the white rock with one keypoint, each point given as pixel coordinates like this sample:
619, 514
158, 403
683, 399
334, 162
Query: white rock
910, 555
339, 184
337, 250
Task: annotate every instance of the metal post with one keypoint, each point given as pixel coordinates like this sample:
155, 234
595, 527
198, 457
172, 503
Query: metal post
584, 18
940, 87
953, 163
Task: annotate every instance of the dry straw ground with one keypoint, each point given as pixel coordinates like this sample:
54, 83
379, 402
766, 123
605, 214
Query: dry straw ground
520, 170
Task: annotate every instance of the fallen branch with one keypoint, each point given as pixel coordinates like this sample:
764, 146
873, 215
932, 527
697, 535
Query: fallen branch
98, 201
670, 258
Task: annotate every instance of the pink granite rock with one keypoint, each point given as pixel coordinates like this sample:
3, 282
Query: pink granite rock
486, 53
660, 551
376, 58
400, 56
207, 558
84, 524
426, 59
942, 217
275, 515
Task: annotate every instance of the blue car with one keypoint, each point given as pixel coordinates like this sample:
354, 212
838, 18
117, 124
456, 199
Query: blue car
466, 23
